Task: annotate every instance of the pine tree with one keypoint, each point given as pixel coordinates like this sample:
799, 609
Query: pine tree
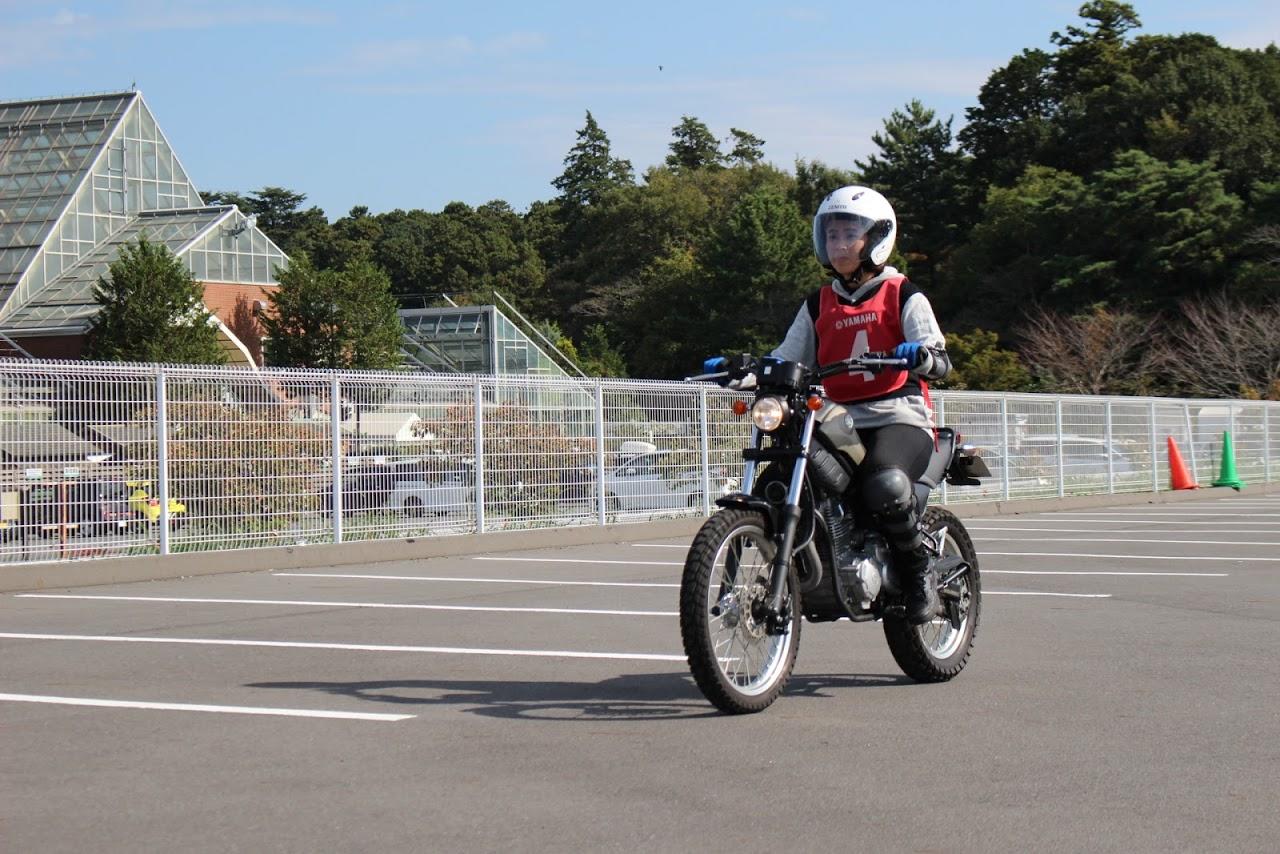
152, 310
590, 169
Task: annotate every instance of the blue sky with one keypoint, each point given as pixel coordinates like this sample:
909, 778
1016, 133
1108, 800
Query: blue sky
413, 105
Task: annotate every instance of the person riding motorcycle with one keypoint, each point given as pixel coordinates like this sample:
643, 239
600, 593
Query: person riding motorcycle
871, 307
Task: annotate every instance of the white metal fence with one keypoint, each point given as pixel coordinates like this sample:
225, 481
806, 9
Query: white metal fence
106, 460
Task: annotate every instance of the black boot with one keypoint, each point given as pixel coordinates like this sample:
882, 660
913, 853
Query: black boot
920, 587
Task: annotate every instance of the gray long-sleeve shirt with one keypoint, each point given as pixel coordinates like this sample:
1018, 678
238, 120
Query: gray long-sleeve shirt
918, 324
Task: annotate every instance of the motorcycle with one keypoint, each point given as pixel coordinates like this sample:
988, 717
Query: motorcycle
793, 543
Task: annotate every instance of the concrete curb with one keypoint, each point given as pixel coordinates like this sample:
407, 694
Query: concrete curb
83, 573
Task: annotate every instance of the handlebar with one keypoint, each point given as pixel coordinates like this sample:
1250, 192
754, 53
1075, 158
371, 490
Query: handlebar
747, 365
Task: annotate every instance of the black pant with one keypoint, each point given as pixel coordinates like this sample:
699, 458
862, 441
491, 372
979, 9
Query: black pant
896, 446
907, 448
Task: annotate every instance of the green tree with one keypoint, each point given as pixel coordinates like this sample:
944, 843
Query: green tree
590, 169
693, 147
599, 357
747, 148
760, 265
333, 318
814, 180
1135, 235
980, 364
1012, 123
463, 251
1205, 102
923, 175
280, 216
151, 309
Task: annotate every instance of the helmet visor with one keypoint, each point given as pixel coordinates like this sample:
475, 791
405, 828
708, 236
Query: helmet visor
840, 236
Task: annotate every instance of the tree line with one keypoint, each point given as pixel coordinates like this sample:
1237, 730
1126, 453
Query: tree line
1109, 208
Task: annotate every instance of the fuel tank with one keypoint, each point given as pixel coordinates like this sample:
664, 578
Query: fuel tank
835, 425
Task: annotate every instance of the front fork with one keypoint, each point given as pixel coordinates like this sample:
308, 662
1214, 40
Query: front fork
775, 613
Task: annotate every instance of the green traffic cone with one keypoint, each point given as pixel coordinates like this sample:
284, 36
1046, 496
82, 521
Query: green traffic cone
1228, 476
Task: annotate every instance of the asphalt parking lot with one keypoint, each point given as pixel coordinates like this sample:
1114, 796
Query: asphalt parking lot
1122, 696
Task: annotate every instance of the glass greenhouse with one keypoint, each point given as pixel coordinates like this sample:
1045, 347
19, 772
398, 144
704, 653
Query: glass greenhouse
79, 177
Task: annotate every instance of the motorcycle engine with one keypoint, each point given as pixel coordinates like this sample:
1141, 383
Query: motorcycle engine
867, 571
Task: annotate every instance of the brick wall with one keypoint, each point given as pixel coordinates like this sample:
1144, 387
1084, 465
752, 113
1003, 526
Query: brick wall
234, 304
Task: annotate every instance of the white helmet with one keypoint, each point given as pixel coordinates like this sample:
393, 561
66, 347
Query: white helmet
870, 210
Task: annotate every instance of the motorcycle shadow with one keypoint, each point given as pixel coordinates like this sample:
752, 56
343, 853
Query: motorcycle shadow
658, 696
634, 697
826, 684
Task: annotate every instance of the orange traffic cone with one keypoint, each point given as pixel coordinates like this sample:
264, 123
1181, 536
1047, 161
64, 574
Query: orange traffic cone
1178, 475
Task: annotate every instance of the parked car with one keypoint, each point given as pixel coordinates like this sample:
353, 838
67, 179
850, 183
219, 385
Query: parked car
440, 494
658, 481
80, 507
1081, 455
416, 487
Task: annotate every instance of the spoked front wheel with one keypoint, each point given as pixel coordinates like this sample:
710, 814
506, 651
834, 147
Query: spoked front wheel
738, 662
939, 649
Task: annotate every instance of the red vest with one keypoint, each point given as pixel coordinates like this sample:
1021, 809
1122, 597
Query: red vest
845, 331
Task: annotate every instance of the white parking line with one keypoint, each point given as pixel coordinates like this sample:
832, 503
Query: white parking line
1153, 512
986, 539
984, 552
1041, 519
574, 560
357, 647
1094, 531
319, 603
1103, 572
1037, 593
536, 581
192, 707
541, 581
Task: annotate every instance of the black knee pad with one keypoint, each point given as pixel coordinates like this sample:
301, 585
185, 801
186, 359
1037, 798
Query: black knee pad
891, 500
888, 493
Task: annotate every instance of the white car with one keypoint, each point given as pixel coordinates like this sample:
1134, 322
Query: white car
451, 494
655, 481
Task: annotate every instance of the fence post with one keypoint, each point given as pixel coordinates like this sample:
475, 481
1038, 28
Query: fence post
1062, 471
1266, 441
479, 447
600, 499
162, 459
704, 439
335, 428
1109, 450
1004, 443
1191, 441
1155, 457
941, 412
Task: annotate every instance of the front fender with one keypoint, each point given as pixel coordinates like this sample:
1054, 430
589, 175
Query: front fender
743, 501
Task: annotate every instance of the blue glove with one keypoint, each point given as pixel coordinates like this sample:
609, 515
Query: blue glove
715, 365
912, 351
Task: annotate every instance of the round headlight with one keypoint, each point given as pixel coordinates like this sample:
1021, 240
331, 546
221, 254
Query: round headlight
768, 413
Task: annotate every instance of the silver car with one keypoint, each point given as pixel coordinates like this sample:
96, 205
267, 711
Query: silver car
448, 494
658, 481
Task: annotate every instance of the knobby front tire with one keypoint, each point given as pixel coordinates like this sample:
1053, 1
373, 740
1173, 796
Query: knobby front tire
738, 665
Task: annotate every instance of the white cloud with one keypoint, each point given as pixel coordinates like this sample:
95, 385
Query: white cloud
45, 39
52, 38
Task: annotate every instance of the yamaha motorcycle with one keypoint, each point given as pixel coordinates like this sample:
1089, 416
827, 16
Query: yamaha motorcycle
794, 543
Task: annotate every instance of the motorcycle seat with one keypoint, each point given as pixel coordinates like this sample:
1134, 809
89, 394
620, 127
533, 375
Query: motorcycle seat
943, 449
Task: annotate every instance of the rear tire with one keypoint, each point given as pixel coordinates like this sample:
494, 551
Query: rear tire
937, 651
738, 665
